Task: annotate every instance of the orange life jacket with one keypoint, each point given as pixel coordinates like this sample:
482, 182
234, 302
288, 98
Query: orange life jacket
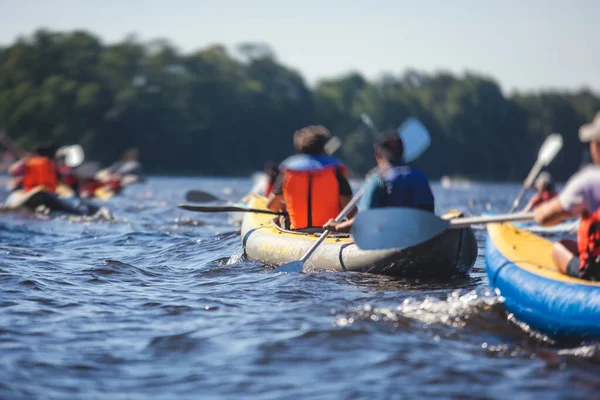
311, 197
40, 171
588, 239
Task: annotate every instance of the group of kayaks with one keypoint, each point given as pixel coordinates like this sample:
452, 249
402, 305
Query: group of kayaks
65, 200
518, 262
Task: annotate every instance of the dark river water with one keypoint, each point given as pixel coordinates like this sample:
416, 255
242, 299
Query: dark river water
160, 303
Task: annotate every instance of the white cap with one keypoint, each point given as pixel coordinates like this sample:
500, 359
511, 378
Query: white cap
590, 132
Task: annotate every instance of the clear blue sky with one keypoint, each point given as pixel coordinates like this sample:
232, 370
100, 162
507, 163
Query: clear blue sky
523, 44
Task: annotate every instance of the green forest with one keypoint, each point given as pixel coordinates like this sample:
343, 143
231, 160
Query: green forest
220, 111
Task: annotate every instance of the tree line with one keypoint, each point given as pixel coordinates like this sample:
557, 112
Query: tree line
221, 112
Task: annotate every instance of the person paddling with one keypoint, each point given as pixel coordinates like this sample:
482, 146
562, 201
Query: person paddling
544, 191
395, 184
38, 169
312, 186
580, 197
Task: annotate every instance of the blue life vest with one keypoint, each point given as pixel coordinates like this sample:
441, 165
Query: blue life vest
401, 186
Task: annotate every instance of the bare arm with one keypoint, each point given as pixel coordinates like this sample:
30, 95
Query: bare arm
274, 202
551, 212
344, 200
529, 205
333, 226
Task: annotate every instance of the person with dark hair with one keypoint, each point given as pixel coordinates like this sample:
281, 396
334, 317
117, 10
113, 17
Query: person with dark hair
312, 185
544, 191
395, 184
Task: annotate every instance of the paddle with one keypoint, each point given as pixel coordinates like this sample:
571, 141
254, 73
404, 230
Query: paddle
333, 145
191, 207
548, 151
12, 146
396, 228
368, 122
298, 266
198, 196
413, 133
73, 155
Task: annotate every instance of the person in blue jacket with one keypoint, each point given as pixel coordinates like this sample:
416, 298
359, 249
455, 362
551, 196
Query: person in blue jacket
395, 184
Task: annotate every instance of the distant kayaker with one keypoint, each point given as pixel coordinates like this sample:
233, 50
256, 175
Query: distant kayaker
579, 198
544, 191
38, 169
395, 184
312, 186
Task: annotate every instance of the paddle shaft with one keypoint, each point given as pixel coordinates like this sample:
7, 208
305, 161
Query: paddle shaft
548, 151
195, 208
464, 222
12, 146
339, 218
537, 167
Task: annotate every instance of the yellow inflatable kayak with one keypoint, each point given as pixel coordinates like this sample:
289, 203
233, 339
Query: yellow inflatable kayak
453, 252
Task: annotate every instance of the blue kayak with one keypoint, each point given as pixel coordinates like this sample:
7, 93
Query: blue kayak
535, 292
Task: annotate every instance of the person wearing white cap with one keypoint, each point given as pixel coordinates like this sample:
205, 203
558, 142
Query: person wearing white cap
579, 198
544, 191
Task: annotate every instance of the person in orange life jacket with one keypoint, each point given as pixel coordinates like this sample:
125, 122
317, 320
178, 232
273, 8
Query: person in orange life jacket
580, 197
38, 169
544, 191
312, 184
395, 184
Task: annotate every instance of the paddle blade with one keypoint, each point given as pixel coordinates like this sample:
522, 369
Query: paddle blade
198, 196
395, 228
550, 149
368, 121
415, 138
128, 167
333, 145
294, 266
205, 209
73, 155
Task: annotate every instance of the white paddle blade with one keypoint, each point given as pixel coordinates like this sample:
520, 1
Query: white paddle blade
550, 149
367, 121
333, 145
74, 155
415, 138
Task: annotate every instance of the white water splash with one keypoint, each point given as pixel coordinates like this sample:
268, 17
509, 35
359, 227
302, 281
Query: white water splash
455, 310
236, 257
583, 351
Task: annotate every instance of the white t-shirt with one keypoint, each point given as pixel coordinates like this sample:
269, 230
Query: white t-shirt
582, 191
